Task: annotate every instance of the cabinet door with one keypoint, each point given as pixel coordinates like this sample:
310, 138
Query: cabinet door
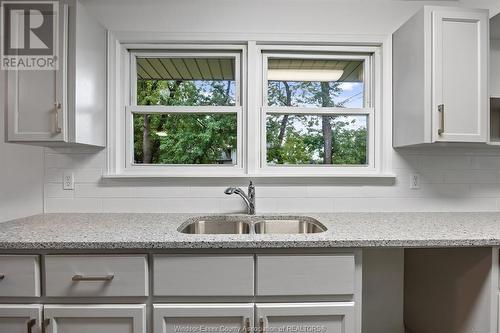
20, 318
115, 318
174, 318
328, 317
460, 76
36, 99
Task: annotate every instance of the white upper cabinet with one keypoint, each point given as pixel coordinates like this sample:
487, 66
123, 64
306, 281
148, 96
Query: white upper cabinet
440, 72
67, 104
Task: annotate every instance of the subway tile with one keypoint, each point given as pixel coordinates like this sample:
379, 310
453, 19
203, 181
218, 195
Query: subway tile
69, 205
471, 176
486, 162
88, 175
131, 205
446, 162
57, 191
75, 161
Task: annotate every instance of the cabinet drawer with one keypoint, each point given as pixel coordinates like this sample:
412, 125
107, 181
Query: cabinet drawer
91, 276
305, 275
186, 275
19, 276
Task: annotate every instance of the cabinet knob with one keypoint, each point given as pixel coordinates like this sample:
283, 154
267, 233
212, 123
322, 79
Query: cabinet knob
2, 276
30, 325
45, 323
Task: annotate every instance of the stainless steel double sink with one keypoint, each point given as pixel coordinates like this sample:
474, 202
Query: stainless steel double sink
210, 225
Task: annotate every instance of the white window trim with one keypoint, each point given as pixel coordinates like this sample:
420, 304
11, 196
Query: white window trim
251, 46
367, 55
186, 170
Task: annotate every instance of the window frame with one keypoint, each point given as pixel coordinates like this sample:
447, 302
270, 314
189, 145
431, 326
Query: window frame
250, 45
371, 71
133, 108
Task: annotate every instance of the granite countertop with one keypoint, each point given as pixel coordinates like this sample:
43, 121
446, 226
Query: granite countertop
159, 231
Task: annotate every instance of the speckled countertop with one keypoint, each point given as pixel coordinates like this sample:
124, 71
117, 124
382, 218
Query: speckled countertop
159, 231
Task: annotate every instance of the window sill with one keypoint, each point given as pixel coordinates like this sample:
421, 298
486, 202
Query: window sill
279, 178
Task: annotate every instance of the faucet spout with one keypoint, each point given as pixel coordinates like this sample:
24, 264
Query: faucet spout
249, 198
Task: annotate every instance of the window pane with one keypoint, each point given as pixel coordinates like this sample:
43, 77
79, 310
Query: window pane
186, 81
315, 83
185, 138
303, 139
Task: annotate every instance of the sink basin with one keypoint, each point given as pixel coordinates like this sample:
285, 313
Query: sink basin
289, 226
234, 225
210, 226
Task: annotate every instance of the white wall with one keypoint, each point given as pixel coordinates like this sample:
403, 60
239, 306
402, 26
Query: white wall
452, 179
21, 174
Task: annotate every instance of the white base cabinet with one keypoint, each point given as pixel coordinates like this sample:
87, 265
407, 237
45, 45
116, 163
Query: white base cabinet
20, 318
114, 318
84, 293
170, 318
324, 317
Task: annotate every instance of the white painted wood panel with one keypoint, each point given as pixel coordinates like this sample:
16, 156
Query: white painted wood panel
19, 276
129, 275
460, 75
440, 58
495, 68
32, 96
325, 317
116, 318
20, 318
169, 318
305, 274
198, 275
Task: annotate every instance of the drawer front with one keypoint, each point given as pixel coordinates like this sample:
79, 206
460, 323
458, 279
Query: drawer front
94, 276
19, 276
305, 275
186, 275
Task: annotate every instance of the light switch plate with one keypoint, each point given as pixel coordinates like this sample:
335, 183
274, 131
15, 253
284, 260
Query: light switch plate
68, 181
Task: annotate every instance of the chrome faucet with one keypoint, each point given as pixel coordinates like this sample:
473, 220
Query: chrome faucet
248, 198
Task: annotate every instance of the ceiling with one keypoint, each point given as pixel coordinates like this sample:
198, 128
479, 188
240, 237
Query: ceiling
161, 68
185, 68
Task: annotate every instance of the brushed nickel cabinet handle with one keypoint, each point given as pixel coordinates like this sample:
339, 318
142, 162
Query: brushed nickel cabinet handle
57, 108
247, 325
45, 323
105, 278
441, 112
2, 277
30, 324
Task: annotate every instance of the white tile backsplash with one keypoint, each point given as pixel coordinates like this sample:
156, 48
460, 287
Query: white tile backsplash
451, 180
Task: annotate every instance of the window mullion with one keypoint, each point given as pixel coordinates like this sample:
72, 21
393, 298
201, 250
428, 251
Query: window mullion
149, 109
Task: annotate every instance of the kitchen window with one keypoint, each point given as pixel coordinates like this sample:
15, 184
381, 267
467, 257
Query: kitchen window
317, 112
252, 110
185, 110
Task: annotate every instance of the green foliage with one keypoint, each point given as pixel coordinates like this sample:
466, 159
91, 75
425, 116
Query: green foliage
184, 138
211, 138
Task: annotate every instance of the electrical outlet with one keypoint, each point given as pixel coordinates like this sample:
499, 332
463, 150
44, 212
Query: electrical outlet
68, 181
415, 181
